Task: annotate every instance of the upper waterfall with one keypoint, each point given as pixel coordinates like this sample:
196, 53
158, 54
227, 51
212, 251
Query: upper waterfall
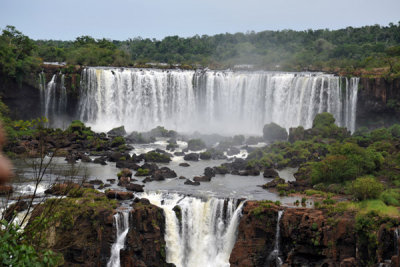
212, 101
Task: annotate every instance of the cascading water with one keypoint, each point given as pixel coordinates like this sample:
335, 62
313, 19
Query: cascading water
204, 233
274, 255
396, 241
53, 99
121, 220
212, 101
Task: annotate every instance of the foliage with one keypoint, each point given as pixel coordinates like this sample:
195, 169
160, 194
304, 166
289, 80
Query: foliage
366, 187
157, 157
17, 54
273, 132
196, 144
15, 251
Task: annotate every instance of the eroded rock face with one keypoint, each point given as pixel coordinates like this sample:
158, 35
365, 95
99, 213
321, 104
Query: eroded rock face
256, 235
145, 244
308, 237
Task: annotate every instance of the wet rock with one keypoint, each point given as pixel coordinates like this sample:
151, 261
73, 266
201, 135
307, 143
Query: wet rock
179, 154
150, 166
249, 172
11, 211
201, 179
189, 182
121, 195
87, 185
274, 183
61, 189
85, 158
270, 173
233, 151
273, 132
209, 172
196, 145
182, 177
205, 155
147, 179
125, 173
96, 182
221, 169
118, 131
127, 164
112, 181
163, 173
184, 164
191, 157
135, 187
100, 160
5, 189
123, 181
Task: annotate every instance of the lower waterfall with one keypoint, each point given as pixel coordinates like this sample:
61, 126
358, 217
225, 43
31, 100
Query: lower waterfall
199, 232
273, 258
121, 220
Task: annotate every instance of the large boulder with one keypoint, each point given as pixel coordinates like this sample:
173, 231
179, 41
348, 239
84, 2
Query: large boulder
191, 157
134, 187
273, 132
196, 145
118, 131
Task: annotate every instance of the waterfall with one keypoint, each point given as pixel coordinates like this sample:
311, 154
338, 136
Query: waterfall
121, 220
212, 101
53, 99
274, 255
396, 241
204, 233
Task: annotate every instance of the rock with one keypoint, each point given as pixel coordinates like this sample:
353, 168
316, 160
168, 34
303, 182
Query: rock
191, 157
158, 157
145, 244
61, 189
96, 182
85, 158
296, 134
196, 145
270, 173
182, 177
115, 156
205, 155
123, 181
121, 195
87, 185
189, 182
233, 151
14, 208
118, 131
135, 187
128, 164
125, 173
138, 138
5, 189
274, 183
163, 173
184, 164
150, 166
147, 179
221, 169
112, 181
249, 172
19, 150
209, 172
100, 160
202, 179
273, 132
179, 154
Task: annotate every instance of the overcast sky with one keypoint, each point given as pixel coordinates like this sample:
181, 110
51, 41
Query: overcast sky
123, 19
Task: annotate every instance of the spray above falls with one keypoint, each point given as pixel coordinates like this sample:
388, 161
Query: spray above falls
212, 101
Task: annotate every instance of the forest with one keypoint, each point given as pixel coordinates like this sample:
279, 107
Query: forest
366, 51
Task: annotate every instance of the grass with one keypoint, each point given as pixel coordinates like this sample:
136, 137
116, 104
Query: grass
379, 207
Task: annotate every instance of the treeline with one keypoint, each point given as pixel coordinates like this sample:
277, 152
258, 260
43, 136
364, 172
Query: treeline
366, 48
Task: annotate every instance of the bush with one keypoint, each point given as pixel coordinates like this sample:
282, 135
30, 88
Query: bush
196, 144
117, 141
391, 197
366, 187
324, 119
157, 157
273, 132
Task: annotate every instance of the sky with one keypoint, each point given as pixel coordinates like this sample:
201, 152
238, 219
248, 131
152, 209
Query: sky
123, 19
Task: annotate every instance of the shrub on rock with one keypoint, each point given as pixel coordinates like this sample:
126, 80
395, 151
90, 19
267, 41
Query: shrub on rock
273, 132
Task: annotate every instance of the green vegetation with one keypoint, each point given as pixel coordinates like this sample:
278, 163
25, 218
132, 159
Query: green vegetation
142, 172
15, 250
364, 51
196, 144
157, 157
273, 132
